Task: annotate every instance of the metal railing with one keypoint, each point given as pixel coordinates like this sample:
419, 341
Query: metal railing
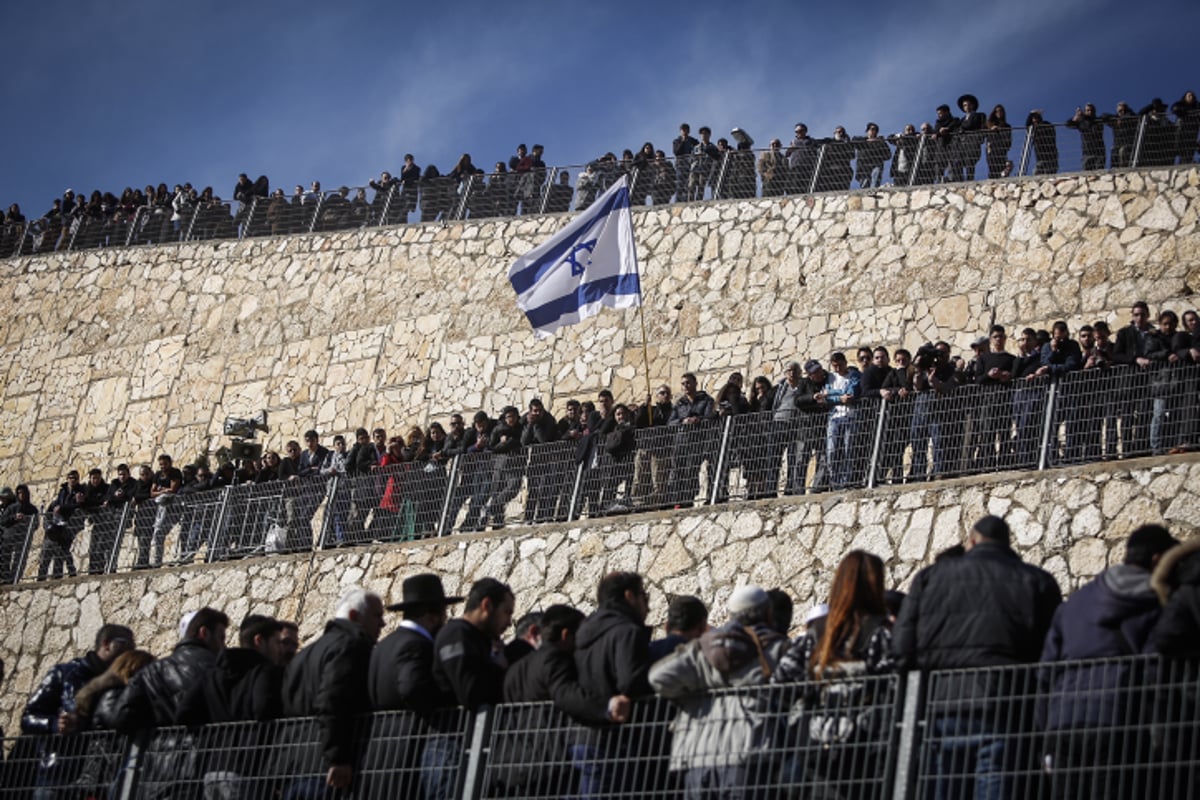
819, 165
1026, 424
1123, 728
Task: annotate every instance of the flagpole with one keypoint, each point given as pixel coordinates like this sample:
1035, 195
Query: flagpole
646, 361
642, 317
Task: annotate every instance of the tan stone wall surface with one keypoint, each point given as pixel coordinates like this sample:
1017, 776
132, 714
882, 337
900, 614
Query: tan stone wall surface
117, 355
1069, 521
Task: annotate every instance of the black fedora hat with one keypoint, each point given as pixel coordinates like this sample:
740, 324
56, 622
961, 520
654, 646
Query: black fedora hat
421, 591
974, 101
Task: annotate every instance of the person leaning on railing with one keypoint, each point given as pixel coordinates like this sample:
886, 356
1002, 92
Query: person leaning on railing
723, 741
987, 608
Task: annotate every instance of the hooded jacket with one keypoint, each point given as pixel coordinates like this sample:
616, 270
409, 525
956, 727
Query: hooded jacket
1111, 616
612, 653
1176, 580
717, 726
242, 685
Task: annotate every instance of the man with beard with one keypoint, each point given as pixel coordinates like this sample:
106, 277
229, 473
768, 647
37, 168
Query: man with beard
400, 678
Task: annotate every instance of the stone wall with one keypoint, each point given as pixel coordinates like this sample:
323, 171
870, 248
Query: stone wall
1070, 521
118, 355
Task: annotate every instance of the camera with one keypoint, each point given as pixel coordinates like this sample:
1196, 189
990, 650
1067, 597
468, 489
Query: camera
925, 358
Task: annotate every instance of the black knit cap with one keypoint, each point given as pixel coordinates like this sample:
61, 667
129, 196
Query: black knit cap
993, 528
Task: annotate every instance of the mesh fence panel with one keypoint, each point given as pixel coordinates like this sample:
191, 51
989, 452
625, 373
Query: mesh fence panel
549, 482
395, 503
51, 766
16, 542
674, 466
100, 536
270, 517
786, 452
1117, 728
818, 740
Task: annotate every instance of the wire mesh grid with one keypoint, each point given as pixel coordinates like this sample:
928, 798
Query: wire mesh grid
1116, 728
83, 764
795, 740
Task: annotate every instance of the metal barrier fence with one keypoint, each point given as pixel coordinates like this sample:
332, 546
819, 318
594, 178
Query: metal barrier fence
818, 165
1123, 728
1037, 423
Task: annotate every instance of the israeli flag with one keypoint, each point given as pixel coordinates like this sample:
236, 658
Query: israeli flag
587, 265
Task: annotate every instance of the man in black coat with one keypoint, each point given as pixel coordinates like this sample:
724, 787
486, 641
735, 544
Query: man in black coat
692, 421
985, 609
245, 684
360, 460
151, 700
400, 676
612, 654
152, 697
469, 666
328, 680
400, 679
532, 760
549, 461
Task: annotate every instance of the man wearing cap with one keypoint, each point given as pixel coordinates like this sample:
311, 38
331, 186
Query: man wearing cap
811, 443
328, 680
985, 609
722, 742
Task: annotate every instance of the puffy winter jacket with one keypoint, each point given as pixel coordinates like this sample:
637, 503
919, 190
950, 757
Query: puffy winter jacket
720, 728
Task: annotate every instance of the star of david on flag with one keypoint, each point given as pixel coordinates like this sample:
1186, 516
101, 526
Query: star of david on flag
588, 265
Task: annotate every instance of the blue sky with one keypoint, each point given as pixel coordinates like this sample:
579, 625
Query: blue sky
105, 95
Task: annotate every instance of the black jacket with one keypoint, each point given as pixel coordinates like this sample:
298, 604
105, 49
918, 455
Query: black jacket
612, 653
56, 691
400, 676
549, 673
360, 459
541, 432
987, 608
152, 697
463, 666
328, 680
1177, 582
242, 685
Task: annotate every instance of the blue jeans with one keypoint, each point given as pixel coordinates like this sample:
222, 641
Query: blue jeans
839, 449
440, 768
967, 749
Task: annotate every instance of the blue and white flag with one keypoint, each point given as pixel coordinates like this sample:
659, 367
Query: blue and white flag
587, 265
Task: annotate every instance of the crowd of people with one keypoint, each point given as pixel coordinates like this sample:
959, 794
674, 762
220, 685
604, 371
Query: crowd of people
1133, 393
947, 149
977, 606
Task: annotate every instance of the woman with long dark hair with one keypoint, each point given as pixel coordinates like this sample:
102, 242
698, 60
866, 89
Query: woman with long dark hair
845, 717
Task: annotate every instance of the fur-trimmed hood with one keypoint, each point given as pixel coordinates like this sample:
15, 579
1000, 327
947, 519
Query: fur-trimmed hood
1176, 567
